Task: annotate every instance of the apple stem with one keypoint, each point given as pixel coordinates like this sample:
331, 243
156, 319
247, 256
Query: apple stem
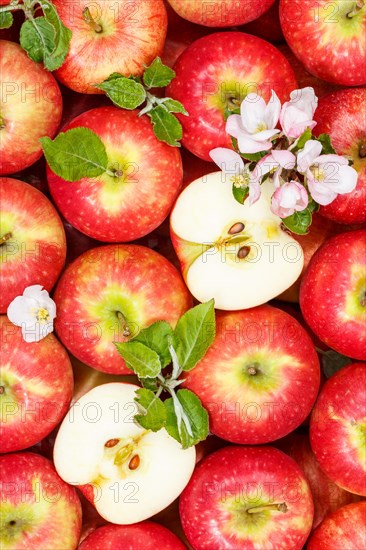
122, 320
278, 506
359, 4
5, 238
362, 151
88, 18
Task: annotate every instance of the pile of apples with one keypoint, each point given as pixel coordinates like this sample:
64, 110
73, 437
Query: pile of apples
284, 382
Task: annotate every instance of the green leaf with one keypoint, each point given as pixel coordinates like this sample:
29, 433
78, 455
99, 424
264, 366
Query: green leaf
152, 411
332, 361
187, 420
240, 193
313, 206
155, 337
167, 127
326, 144
124, 92
37, 38
299, 222
142, 360
158, 75
61, 45
303, 139
149, 384
254, 157
6, 20
194, 334
75, 154
174, 106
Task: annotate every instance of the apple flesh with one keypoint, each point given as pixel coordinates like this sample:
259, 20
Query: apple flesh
31, 107
117, 464
39, 510
333, 293
110, 293
131, 204
338, 428
227, 250
32, 240
259, 379
247, 497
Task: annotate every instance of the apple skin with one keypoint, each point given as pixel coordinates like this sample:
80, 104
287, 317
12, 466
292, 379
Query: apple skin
267, 25
343, 529
220, 13
37, 385
126, 208
330, 45
217, 67
230, 481
140, 282
36, 251
257, 408
133, 35
31, 107
327, 496
342, 116
332, 293
39, 509
146, 534
338, 425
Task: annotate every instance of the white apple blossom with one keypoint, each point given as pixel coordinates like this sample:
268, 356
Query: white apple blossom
326, 175
256, 124
34, 312
276, 161
297, 114
290, 197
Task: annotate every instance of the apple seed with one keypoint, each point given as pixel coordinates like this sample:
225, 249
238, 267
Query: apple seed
134, 462
243, 252
236, 228
111, 443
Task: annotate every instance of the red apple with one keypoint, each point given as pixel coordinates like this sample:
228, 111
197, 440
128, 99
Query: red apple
267, 26
39, 510
247, 497
32, 240
31, 107
344, 529
333, 293
130, 205
216, 72
338, 427
327, 496
259, 379
342, 116
121, 37
146, 534
36, 387
327, 37
110, 293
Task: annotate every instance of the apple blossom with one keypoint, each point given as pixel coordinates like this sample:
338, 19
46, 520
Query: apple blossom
297, 114
256, 124
276, 161
289, 198
34, 312
327, 175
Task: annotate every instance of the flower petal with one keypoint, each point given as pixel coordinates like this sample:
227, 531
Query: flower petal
33, 291
227, 160
248, 145
272, 111
305, 100
264, 135
320, 193
254, 191
234, 126
343, 180
307, 155
331, 159
20, 310
284, 158
252, 112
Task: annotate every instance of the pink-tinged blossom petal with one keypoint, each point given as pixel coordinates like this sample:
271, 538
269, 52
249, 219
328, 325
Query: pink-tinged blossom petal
247, 144
305, 100
335, 159
254, 191
289, 198
320, 192
252, 111
264, 135
234, 126
284, 158
276, 160
272, 111
227, 160
328, 179
294, 122
307, 155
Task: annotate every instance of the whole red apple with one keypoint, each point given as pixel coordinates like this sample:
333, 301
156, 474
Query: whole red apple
327, 37
110, 293
333, 293
342, 116
39, 510
31, 107
129, 205
259, 379
32, 240
214, 74
35, 389
247, 497
341, 530
110, 37
338, 427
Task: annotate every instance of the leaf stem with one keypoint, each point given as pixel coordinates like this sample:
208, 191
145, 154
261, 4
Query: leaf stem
279, 507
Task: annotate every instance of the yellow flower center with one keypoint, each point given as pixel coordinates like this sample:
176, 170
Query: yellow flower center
240, 180
261, 127
42, 315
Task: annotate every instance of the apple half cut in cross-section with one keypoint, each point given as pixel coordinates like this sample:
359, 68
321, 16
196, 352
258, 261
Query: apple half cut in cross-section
238, 254
128, 473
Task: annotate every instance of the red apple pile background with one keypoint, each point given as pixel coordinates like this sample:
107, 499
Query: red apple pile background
284, 383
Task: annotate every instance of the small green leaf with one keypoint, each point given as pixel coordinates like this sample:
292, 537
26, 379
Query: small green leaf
167, 127
187, 420
37, 38
142, 360
194, 334
6, 20
326, 144
158, 75
54, 59
313, 206
303, 139
155, 337
149, 384
75, 154
240, 193
124, 92
299, 222
254, 157
174, 106
152, 411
